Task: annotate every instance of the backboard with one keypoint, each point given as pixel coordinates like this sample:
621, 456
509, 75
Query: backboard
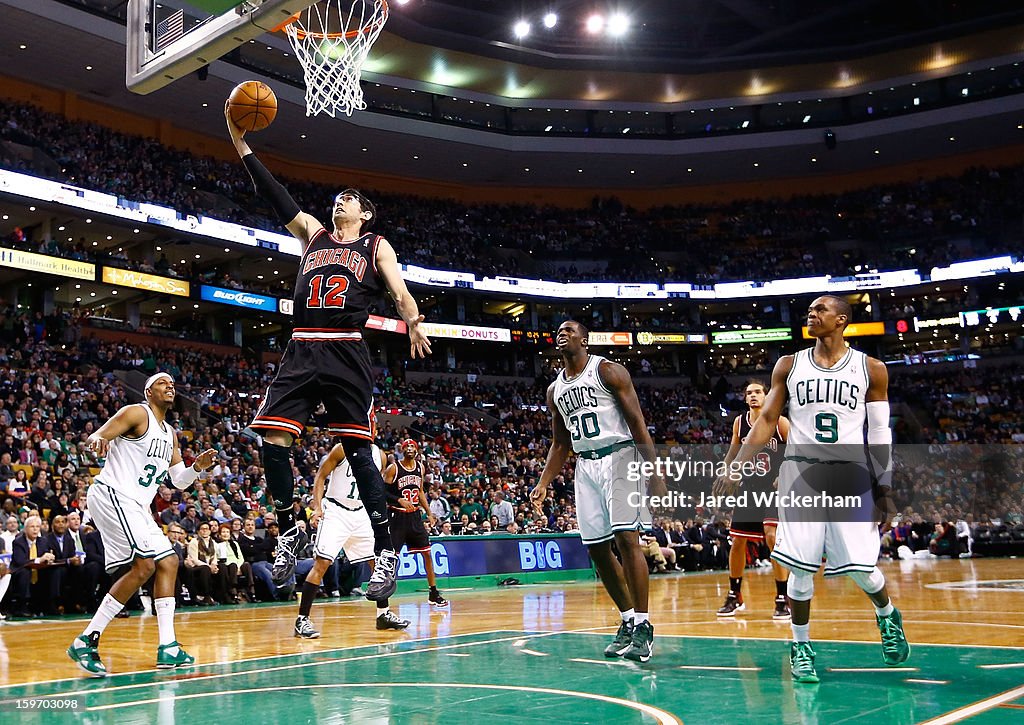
168, 39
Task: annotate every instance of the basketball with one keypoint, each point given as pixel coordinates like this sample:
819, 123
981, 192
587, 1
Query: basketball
252, 105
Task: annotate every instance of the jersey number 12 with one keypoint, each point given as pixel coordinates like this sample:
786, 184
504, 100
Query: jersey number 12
329, 293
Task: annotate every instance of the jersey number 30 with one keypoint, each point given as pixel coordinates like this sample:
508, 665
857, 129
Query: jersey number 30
584, 426
329, 293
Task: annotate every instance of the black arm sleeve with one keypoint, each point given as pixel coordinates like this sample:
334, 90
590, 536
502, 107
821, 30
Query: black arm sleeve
391, 495
271, 189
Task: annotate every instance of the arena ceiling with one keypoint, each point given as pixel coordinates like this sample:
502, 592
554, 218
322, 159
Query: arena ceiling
731, 34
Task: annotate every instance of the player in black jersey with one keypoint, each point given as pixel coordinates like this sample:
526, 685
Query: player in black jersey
326, 360
754, 524
405, 481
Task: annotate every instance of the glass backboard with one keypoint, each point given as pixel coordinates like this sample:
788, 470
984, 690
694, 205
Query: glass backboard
168, 39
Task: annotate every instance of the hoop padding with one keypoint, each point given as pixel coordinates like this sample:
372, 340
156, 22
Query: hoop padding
331, 40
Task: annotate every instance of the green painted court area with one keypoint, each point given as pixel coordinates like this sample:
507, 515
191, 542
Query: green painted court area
551, 677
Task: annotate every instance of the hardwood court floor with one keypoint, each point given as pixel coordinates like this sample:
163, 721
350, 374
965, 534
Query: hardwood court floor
532, 654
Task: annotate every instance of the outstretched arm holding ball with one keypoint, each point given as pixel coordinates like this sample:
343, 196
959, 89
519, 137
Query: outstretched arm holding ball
301, 225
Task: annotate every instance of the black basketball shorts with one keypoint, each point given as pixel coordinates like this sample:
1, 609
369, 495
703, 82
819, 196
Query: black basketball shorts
407, 529
321, 366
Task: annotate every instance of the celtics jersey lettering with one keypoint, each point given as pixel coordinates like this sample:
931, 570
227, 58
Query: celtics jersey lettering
341, 483
135, 467
589, 409
827, 405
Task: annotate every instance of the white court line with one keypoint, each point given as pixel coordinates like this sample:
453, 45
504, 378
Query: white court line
660, 715
457, 654
717, 667
596, 631
160, 681
535, 653
618, 662
978, 707
927, 682
519, 643
1007, 666
874, 669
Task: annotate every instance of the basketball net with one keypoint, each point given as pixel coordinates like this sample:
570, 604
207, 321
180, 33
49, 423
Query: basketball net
332, 39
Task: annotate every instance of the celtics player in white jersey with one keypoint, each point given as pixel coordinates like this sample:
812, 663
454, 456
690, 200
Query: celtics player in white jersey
596, 415
834, 392
140, 449
341, 521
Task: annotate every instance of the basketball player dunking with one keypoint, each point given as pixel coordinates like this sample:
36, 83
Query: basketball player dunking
595, 414
326, 361
761, 525
406, 475
833, 391
140, 449
341, 523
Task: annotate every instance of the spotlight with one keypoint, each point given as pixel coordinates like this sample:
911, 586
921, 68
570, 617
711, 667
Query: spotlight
550, 20
618, 24
595, 24
521, 29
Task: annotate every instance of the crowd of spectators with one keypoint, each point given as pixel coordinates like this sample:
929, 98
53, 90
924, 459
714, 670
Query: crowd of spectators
891, 226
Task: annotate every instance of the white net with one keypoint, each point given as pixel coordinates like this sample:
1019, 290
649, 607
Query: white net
332, 39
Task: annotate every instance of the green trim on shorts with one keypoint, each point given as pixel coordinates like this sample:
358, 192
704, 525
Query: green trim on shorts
603, 539
847, 568
793, 563
124, 521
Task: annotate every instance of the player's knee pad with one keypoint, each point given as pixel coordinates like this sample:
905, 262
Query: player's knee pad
800, 586
870, 582
278, 467
369, 481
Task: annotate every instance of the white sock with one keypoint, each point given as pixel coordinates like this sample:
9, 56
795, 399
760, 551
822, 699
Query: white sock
627, 615
5, 581
165, 619
382, 611
640, 617
801, 632
886, 610
107, 610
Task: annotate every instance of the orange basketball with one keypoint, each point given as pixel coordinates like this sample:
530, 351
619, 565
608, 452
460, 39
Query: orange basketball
252, 105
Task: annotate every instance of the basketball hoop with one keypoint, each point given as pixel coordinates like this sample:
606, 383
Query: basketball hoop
332, 39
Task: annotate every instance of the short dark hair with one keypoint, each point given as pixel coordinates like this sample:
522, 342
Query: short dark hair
755, 381
843, 307
584, 330
365, 204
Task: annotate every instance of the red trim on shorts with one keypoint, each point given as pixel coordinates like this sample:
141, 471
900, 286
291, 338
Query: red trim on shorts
746, 535
348, 425
277, 419
770, 522
350, 434
418, 551
268, 426
326, 329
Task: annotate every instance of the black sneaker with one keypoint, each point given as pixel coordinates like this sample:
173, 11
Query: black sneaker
732, 605
390, 620
623, 639
642, 646
436, 600
289, 544
782, 612
304, 628
382, 583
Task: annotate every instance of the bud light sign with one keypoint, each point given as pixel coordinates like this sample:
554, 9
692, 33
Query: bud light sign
238, 298
482, 555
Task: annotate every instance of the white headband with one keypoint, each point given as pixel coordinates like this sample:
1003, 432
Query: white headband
153, 378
